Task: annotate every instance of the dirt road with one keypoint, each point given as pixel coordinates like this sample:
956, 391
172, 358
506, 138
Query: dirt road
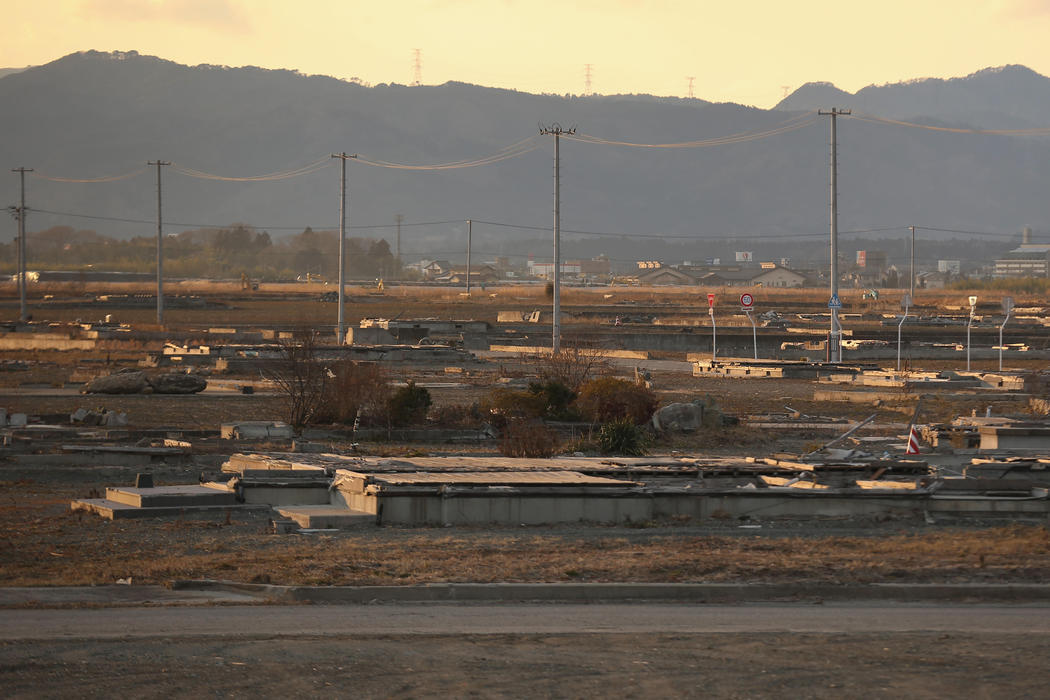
877, 651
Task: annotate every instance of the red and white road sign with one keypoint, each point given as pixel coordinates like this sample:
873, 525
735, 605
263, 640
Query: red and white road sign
711, 300
747, 301
913, 442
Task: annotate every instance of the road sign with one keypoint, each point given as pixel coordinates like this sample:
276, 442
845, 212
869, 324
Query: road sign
1008, 304
973, 301
747, 301
834, 302
906, 301
711, 300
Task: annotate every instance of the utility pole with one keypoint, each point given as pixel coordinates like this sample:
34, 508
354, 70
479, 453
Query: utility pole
469, 232
23, 314
398, 218
344, 208
160, 244
835, 337
911, 286
557, 131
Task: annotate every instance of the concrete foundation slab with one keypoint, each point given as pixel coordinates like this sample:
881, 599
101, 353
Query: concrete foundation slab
170, 496
114, 510
326, 516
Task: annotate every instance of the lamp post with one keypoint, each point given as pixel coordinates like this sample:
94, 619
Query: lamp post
905, 304
969, 324
1008, 306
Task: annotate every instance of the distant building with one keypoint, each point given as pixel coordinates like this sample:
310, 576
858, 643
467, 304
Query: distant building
666, 275
951, 266
546, 269
431, 269
1026, 260
482, 274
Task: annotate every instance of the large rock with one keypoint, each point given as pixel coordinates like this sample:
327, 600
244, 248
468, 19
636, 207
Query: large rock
131, 381
178, 383
679, 417
127, 381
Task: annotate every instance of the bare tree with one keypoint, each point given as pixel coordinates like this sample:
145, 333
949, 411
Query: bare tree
573, 365
300, 376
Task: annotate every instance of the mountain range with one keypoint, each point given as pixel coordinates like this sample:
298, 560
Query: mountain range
94, 114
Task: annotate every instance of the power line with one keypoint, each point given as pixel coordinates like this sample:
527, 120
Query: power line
792, 124
1035, 131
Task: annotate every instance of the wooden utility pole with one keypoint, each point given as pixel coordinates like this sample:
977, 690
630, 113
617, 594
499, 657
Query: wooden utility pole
23, 314
160, 244
835, 336
344, 210
557, 131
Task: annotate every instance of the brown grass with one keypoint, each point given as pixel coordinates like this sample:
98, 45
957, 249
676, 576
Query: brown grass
45, 544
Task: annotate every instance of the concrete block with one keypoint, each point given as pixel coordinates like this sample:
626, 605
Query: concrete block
17, 420
143, 481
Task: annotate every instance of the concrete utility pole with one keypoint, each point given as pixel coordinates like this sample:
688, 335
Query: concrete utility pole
557, 131
23, 314
911, 286
160, 244
469, 231
344, 209
835, 337
398, 218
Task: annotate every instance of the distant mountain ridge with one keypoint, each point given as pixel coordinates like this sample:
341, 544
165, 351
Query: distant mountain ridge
1008, 97
93, 114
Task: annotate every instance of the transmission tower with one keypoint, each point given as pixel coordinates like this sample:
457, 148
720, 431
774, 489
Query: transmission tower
587, 78
691, 78
417, 68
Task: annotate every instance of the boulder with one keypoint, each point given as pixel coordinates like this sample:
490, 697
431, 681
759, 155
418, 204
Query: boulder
127, 381
178, 383
679, 417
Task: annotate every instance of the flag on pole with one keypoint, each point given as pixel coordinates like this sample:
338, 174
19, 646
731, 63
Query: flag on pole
913, 442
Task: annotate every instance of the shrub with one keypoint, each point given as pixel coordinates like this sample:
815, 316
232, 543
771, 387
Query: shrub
622, 437
408, 405
555, 399
522, 437
610, 399
354, 387
456, 416
503, 405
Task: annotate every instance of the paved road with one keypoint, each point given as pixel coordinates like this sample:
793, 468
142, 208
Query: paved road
428, 619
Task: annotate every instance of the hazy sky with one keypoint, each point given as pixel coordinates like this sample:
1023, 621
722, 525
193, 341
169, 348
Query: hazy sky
746, 52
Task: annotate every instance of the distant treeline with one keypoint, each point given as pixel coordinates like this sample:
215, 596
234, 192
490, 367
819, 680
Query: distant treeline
217, 253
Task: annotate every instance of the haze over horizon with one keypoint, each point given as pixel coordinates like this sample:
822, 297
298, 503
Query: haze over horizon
752, 55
